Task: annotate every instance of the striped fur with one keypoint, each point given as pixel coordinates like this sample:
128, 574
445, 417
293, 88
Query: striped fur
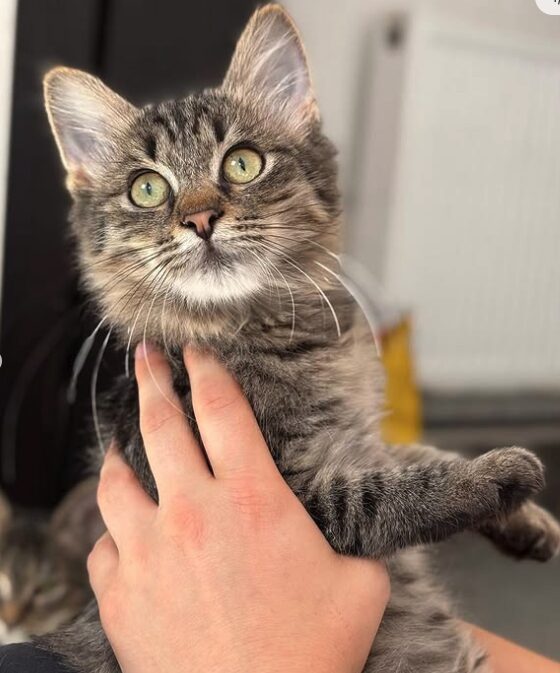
266, 300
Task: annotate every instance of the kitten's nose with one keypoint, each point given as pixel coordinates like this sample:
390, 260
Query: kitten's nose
201, 223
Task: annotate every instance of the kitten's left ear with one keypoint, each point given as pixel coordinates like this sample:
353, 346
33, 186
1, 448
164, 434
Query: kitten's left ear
87, 120
269, 64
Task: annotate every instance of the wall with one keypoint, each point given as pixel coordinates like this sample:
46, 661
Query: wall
336, 35
500, 127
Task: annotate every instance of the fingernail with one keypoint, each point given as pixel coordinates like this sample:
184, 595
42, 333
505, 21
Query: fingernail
143, 350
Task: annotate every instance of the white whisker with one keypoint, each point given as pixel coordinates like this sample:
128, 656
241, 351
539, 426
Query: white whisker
93, 390
291, 299
171, 402
318, 288
360, 298
129, 342
80, 360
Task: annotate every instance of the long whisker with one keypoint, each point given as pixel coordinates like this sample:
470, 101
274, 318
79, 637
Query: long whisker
162, 322
356, 292
127, 270
129, 342
292, 301
93, 390
289, 260
312, 242
263, 266
141, 304
171, 402
130, 251
80, 360
131, 294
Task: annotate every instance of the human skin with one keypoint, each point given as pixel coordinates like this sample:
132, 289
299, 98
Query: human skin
228, 572
507, 657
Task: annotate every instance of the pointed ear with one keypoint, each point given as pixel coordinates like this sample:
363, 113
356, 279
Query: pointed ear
76, 523
269, 62
87, 119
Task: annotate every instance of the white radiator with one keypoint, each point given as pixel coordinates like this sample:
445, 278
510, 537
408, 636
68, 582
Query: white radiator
458, 209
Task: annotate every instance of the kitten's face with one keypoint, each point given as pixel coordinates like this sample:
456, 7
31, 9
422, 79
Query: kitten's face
43, 578
205, 204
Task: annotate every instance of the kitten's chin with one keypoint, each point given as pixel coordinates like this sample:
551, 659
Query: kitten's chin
218, 286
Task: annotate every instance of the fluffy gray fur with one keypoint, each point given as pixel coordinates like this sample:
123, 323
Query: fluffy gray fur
264, 296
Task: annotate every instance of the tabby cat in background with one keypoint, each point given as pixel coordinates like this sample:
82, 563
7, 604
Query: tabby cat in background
43, 576
213, 220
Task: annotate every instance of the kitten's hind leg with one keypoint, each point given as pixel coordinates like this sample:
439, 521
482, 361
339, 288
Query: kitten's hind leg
528, 533
366, 511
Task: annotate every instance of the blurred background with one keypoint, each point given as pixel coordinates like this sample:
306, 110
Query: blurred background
446, 116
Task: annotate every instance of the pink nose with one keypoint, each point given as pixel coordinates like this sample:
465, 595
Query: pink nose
201, 223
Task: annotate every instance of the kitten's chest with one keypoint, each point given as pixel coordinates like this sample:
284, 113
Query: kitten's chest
294, 402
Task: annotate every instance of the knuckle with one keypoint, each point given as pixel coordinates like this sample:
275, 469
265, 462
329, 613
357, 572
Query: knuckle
213, 399
98, 550
110, 609
186, 522
374, 583
156, 371
91, 562
250, 498
114, 478
379, 581
383, 583
156, 416
104, 488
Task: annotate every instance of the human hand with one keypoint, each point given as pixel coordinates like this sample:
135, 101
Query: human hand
228, 572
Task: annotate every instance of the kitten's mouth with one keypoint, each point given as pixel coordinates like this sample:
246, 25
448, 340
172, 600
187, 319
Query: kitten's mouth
215, 255
211, 257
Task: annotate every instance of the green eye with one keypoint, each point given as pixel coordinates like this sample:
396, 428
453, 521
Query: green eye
149, 190
242, 165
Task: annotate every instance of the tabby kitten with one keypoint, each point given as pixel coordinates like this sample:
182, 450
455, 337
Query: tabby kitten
214, 220
43, 577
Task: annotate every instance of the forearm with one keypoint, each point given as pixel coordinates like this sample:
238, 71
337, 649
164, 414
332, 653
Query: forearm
507, 657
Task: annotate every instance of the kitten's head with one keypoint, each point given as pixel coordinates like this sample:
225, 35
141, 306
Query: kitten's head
206, 205
43, 577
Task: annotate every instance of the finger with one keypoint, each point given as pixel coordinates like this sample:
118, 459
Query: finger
124, 505
227, 425
173, 452
102, 564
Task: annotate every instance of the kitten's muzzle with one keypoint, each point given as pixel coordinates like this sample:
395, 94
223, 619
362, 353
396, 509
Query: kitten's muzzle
202, 223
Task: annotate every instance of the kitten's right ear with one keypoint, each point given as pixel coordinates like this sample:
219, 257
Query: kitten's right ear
87, 119
269, 65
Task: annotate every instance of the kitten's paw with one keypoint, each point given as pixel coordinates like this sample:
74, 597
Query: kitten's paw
540, 539
529, 533
516, 473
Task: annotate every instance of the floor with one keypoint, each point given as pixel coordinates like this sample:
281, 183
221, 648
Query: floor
517, 599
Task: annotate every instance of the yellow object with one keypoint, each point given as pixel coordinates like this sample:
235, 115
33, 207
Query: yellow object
403, 421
